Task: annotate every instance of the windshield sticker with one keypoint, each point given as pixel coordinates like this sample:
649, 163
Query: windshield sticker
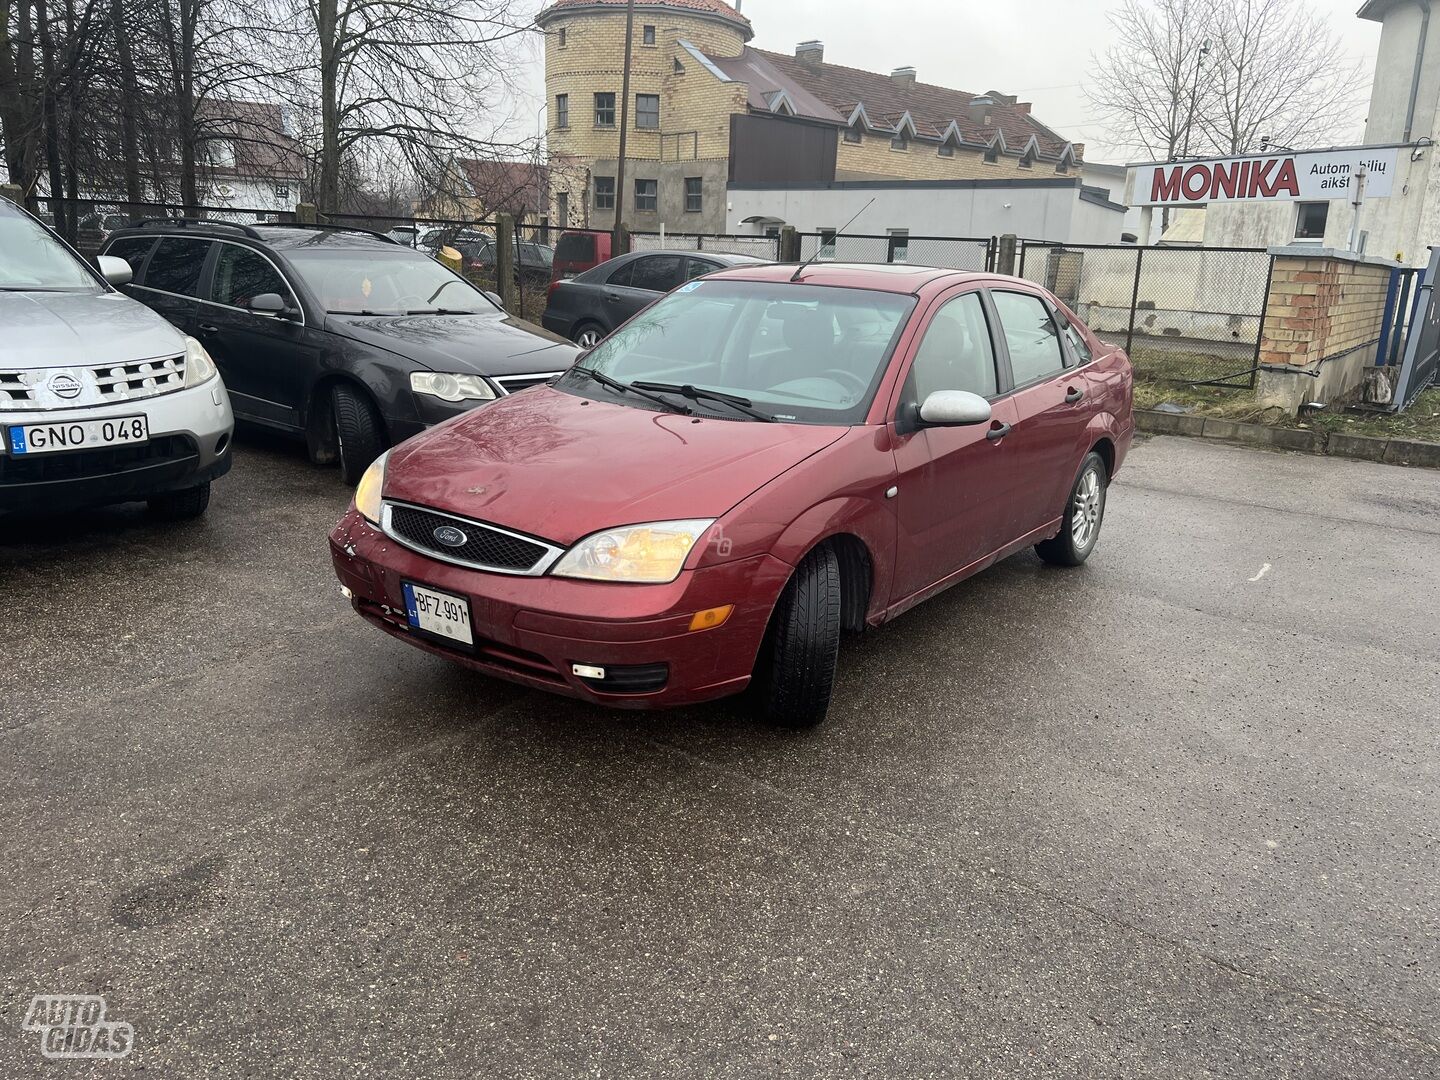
690, 286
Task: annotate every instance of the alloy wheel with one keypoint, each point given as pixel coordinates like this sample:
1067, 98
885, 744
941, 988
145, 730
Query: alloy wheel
1085, 518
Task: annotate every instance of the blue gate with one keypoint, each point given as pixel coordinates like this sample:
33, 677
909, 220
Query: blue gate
1419, 354
1401, 302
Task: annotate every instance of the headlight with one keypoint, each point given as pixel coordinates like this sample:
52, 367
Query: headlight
451, 387
199, 368
651, 554
367, 493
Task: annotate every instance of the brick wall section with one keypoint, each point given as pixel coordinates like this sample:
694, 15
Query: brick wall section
874, 159
1321, 308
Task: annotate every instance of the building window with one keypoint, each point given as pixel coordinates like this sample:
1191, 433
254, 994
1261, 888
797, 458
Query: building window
562, 209
694, 195
647, 196
648, 35
1062, 166
562, 111
992, 155
854, 134
560, 38
900, 143
947, 149
604, 110
647, 112
1027, 160
827, 244
1311, 219
604, 193
282, 192
899, 245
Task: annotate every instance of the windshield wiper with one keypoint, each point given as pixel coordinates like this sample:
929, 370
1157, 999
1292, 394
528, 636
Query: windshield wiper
626, 388
697, 393
440, 311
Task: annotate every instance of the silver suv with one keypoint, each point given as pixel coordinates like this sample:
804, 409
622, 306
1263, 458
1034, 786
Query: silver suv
101, 400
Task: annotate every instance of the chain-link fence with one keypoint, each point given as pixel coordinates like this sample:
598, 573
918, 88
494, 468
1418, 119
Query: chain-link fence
760, 247
952, 252
88, 223
1183, 314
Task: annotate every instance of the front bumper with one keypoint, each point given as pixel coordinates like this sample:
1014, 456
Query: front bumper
190, 432
533, 630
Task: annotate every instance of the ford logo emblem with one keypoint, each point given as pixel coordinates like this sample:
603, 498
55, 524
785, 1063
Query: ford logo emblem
64, 385
450, 536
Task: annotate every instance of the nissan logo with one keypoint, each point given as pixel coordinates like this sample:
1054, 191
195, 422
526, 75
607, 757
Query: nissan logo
450, 536
64, 385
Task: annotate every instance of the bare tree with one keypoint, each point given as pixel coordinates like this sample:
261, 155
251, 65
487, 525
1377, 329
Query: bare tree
1280, 71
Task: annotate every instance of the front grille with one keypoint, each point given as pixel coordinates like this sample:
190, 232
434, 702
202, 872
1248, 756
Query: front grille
144, 378
513, 384
485, 546
88, 385
88, 464
13, 391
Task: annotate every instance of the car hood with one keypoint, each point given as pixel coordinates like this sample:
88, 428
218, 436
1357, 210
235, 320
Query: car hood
490, 344
561, 467
62, 329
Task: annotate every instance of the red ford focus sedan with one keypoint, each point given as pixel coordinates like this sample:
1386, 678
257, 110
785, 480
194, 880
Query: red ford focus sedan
765, 458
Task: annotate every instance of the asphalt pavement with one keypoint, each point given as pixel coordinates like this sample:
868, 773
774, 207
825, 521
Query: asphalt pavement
1174, 814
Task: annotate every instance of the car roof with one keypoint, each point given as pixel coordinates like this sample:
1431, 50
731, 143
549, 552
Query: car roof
879, 277
725, 258
275, 236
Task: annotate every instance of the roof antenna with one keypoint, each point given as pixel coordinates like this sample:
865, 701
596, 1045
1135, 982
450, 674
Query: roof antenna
821, 246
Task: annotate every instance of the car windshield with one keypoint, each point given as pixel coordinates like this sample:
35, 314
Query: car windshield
33, 260
396, 282
797, 353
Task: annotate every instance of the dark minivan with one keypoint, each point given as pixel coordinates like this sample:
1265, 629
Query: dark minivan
341, 335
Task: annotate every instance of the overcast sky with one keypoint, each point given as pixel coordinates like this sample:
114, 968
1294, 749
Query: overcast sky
1040, 50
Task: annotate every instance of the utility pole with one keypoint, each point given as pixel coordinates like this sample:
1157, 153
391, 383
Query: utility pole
624, 128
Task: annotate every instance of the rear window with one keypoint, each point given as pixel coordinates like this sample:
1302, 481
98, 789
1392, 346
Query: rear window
576, 247
175, 266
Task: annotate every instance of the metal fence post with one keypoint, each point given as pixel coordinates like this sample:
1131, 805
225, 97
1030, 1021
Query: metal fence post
1264, 314
1134, 301
1005, 254
789, 245
505, 260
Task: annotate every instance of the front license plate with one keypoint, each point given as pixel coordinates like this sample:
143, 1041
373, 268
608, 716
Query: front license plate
77, 435
439, 613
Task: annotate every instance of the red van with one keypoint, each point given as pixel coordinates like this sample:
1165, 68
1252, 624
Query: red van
579, 251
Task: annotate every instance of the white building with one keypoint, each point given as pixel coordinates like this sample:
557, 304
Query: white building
1399, 214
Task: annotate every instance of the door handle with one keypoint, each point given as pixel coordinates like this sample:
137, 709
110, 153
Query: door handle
998, 432
206, 328
612, 297
1073, 395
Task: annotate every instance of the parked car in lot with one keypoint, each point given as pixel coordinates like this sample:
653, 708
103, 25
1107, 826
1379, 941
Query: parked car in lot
340, 335
101, 400
764, 458
532, 259
576, 252
588, 307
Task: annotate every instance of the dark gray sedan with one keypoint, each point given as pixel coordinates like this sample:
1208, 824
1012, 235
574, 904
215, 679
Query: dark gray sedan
587, 308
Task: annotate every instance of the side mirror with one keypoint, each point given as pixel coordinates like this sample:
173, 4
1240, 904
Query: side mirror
115, 271
954, 408
494, 298
268, 305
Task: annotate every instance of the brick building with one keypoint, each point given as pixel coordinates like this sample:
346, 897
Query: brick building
708, 110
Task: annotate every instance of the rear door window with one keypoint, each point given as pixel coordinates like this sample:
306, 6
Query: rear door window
1030, 335
242, 274
133, 250
1083, 352
623, 276
699, 268
175, 266
658, 273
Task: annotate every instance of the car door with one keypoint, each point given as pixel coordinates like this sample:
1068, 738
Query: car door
1051, 408
953, 482
266, 361
172, 280
639, 284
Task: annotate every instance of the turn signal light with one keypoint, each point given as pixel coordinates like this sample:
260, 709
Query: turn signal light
710, 618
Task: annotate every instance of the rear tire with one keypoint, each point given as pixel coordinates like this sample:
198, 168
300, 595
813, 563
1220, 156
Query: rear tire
797, 660
587, 335
1084, 514
359, 432
183, 505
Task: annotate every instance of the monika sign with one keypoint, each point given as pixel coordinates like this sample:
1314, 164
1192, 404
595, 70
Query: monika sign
1274, 178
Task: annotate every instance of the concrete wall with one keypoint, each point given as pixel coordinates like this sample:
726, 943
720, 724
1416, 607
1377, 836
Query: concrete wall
670, 176
1048, 211
1324, 318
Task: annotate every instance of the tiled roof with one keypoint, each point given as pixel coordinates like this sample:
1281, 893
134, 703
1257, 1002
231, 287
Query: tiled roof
510, 187
708, 7
932, 108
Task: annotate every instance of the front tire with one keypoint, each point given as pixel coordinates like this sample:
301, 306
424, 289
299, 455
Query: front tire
1084, 514
359, 432
798, 658
183, 505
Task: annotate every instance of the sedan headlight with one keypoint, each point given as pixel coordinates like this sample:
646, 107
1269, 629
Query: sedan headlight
452, 388
367, 494
199, 368
652, 554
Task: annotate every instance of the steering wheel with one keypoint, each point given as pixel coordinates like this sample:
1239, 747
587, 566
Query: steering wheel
854, 381
403, 302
